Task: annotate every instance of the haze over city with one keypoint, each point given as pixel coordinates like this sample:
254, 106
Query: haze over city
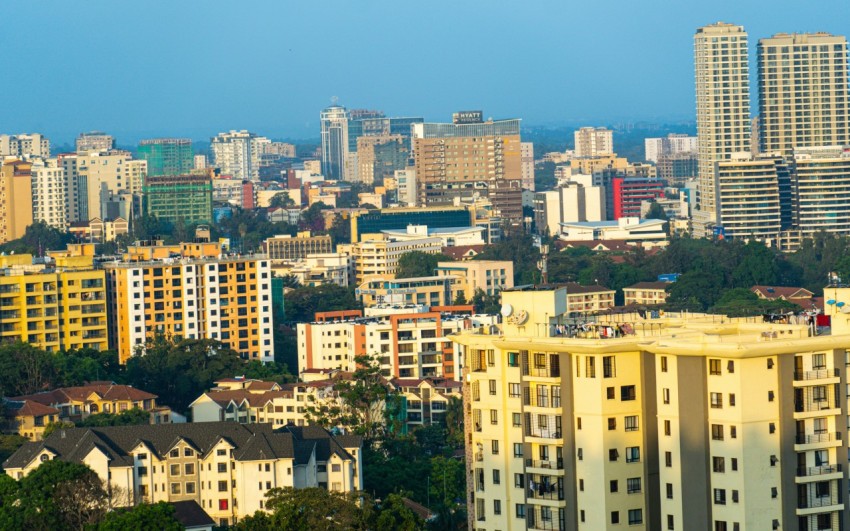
192, 69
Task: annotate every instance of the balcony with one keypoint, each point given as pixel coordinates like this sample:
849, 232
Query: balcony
9, 289
813, 501
821, 470
818, 438
546, 465
819, 374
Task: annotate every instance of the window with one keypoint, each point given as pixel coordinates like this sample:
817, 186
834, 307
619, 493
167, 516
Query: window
221, 452
614, 485
635, 516
492, 384
631, 423
222, 486
581, 485
720, 496
494, 416
513, 359
717, 400
189, 469
732, 399
717, 432
663, 363
497, 506
174, 453
669, 491
665, 395
774, 492
667, 428
517, 449
610, 393
818, 362
734, 464
578, 423
175, 488
668, 459
494, 447
825, 521
222, 506
519, 481
613, 454
590, 366
770, 396
733, 432
772, 427
627, 392
670, 521
612, 423
773, 460
615, 517
188, 452
734, 496
730, 366
718, 464
174, 470
497, 479
632, 454
336, 467
714, 367
514, 390
190, 487
579, 454
719, 525
222, 468
609, 367
516, 419
632, 485
770, 363
520, 510
821, 489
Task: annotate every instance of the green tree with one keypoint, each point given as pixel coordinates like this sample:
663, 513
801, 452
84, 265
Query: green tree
61, 495
24, 369
38, 238
656, 211
448, 481
312, 508
282, 200
460, 299
395, 515
340, 231
131, 417
518, 248
485, 303
454, 421
9, 444
199, 362
418, 264
58, 425
313, 219
303, 303
159, 516
741, 302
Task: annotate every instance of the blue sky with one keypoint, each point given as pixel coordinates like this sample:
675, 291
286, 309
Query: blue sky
192, 68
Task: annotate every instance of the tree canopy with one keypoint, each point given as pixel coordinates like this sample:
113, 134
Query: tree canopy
39, 238
302, 303
418, 264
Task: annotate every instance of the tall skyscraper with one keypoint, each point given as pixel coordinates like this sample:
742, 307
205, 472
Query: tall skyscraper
822, 185
167, 156
748, 196
49, 193
803, 99
15, 199
237, 154
723, 108
594, 142
335, 148
470, 158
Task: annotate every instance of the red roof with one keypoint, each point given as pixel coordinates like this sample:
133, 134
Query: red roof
81, 393
462, 252
597, 245
781, 292
28, 408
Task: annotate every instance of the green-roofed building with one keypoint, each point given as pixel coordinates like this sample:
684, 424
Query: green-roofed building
179, 197
167, 156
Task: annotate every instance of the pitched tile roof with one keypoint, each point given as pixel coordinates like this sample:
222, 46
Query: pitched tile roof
649, 285
28, 408
107, 391
782, 292
190, 514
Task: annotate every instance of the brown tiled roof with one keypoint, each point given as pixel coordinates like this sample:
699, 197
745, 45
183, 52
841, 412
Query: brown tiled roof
609, 245
28, 408
81, 393
238, 396
459, 252
782, 292
573, 287
420, 510
648, 285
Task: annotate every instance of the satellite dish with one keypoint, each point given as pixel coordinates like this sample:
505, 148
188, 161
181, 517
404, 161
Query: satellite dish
839, 304
830, 301
507, 310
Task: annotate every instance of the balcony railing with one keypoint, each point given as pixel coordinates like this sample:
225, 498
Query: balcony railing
812, 500
819, 374
552, 465
812, 438
805, 471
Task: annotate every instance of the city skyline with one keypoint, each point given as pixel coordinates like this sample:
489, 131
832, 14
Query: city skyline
205, 82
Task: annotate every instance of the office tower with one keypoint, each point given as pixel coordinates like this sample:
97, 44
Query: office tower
723, 108
748, 205
335, 143
15, 199
683, 422
677, 169
803, 97
62, 307
593, 142
467, 159
379, 157
237, 154
364, 122
672, 144
94, 141
625, 195
202, 294
25, 145
172, 198
167, 156
527, 165
822, 185
49, 193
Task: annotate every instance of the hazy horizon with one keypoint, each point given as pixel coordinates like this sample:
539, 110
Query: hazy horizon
188, 69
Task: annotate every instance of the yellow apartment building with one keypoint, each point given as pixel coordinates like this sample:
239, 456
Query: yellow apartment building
194, 291
684, 422
16, 211
376, 255
646, 293
59, 304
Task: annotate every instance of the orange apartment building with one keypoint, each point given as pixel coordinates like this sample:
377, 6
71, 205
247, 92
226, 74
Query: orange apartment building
190, 290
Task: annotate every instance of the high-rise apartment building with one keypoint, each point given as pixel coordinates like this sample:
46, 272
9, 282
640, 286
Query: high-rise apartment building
202, 294
527, 165
179, 197
677, 169
684, 422
237, 154
16, 211
335, 143
376, 255
803, 96
56, 306
93, 178
94, 141
748, 200
467, 159
671, 144
25, 145
279, 148
723, 108
822, 189
167, 156
49, 193
625, 195
380, 156
593, 142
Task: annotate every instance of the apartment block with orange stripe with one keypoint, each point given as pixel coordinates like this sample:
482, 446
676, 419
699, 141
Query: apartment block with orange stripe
190, 290
407, 345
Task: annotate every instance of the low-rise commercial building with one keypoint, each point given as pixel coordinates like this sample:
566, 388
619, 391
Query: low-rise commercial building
647, 233
292, 249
